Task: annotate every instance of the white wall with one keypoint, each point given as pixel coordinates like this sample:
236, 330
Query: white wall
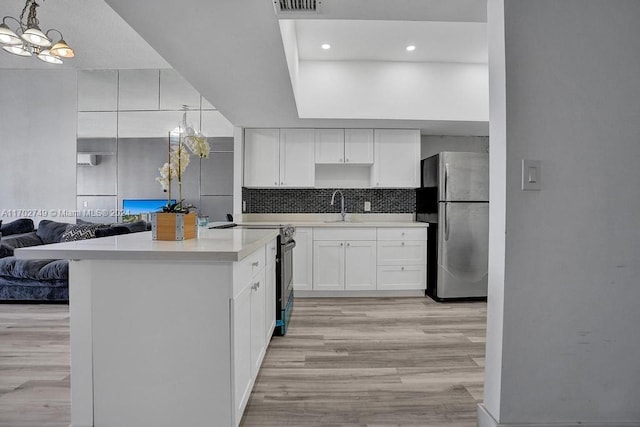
434, 144
392, 90
38, 142
563, 350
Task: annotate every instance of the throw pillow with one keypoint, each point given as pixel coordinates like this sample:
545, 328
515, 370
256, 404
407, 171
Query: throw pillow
51, 231
80, 232
111, 231
19, 226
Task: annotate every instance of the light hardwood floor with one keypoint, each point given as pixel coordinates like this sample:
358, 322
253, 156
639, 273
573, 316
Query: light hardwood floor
344, 362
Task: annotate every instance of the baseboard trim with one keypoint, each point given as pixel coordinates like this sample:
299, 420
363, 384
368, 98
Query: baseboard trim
358, 294
485, 419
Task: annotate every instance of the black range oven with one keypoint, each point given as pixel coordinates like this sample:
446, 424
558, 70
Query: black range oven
284, 278
284, 273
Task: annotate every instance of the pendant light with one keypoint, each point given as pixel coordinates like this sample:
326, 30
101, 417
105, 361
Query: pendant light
27, 39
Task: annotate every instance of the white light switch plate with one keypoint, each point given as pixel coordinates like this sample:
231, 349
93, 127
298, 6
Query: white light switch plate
367, 206
531, 175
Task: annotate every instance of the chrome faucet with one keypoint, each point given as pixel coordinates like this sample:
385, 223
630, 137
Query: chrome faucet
343, 212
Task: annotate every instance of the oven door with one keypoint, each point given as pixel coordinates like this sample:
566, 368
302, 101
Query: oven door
286, 272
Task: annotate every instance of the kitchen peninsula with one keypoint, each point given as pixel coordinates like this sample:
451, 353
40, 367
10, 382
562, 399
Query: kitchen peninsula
166, 333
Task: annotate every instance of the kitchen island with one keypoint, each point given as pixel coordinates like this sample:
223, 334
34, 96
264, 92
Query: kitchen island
166, 333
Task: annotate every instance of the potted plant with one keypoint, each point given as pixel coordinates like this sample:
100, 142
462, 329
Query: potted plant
177, 221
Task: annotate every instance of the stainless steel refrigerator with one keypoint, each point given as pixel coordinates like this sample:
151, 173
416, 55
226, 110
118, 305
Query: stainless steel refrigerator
454, 200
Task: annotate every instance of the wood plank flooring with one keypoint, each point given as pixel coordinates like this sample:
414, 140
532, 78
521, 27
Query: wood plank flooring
345, 362
373, 362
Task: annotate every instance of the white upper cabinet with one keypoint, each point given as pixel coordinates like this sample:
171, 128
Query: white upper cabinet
396, 159
279, 158
262, 157
329, 146
358, 146
344, 146
297, 154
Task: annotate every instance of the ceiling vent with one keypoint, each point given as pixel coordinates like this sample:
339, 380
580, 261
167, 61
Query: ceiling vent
85, 159
285, 7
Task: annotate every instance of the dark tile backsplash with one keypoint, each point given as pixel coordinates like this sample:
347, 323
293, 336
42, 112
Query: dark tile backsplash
317, 200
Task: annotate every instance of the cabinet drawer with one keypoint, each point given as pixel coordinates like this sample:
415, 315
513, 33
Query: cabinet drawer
344, 233
392, 277
402, 234
409, 252
246, 269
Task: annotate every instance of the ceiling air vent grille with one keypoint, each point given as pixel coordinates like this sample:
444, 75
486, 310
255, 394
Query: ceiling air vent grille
296, 6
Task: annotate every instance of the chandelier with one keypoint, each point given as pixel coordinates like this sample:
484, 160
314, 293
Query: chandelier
27, 39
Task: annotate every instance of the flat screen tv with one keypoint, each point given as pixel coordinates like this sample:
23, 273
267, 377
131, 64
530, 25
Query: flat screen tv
134, 209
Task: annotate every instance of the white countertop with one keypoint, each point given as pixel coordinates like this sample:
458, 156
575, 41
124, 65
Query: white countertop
342, 224
230, 244
332, 220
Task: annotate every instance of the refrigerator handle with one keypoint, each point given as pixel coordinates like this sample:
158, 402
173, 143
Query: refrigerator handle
446, 222
446, 180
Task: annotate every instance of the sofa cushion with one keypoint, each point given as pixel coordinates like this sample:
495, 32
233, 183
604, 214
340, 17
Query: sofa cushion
80, 232
5, 250
112, 231
34, 269
22, 225
22, 240
136, 226
51, 231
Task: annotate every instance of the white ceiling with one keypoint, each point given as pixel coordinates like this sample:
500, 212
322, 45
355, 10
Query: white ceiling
231, 51
367, 40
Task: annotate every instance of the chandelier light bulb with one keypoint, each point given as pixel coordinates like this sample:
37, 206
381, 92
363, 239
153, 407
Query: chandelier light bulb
17, 50
7, 36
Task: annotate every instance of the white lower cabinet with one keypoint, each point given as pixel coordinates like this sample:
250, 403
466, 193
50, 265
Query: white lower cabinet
328, 265
241, 307
270, 291
253, 319
303, 260
404, 252
406, 277
402, 258
360, 262
344, 265
344, 259
369, 259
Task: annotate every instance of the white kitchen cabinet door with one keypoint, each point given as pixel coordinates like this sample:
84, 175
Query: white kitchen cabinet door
402, 277
258, 342
241, 313
396, 158
396, 252
328, 265
358, 146
262, 158
360, 265
297, 158
303, 260
270, 291
329, 145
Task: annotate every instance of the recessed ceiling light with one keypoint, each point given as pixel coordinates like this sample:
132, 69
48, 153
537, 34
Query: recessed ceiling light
326, 46
411, 48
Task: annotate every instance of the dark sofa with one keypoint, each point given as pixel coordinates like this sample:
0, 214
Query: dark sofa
45, 280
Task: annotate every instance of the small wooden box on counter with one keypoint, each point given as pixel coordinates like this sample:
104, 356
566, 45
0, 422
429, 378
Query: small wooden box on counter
173, 226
